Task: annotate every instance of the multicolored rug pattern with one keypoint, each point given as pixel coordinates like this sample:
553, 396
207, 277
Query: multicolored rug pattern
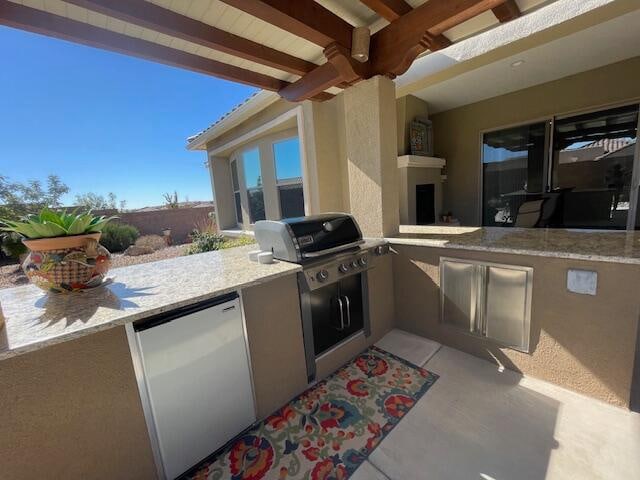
329, 430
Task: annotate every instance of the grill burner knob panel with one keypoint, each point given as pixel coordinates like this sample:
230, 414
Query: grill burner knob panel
322, 275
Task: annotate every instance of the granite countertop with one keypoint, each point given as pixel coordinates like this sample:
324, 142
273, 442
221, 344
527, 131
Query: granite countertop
613, 246
34, 319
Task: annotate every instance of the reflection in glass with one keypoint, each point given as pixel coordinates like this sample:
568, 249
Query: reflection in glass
253, 183
287, 158
288, 168
291, 200
512, 172
593, 165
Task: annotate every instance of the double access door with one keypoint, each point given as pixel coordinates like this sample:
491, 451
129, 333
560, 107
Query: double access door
337, 312
487, 300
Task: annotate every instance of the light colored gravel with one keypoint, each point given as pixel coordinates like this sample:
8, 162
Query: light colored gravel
11, 275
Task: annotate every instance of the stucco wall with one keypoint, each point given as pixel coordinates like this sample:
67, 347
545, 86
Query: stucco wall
181, 221
73, 411
407, 109
274, 330
457, 132
581, 342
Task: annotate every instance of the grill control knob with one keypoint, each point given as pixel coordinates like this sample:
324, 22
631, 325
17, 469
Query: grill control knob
322, 275
354, 264
363, 261
343, 268
382, 249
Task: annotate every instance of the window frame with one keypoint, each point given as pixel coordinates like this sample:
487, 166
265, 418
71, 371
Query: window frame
265, 145
547, 174
288, 181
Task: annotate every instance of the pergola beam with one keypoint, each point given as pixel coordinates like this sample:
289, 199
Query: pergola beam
303, 18
508, 11
397, 45
38, 21
392, 10
154, 17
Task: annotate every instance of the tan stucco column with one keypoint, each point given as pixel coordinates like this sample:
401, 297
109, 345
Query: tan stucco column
371, 150
220, 172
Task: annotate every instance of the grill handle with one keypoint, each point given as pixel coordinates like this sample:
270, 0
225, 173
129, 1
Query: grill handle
327, 251
340, 304
346, 301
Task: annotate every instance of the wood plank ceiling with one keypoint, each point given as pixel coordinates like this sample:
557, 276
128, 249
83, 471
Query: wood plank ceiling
298, 48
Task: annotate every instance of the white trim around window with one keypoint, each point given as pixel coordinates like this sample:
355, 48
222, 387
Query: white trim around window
270, 183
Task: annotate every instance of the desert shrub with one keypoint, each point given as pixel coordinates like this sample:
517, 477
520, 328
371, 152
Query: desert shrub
205, 225
154, 242
238, 242
12, 245
205, 242
117, 237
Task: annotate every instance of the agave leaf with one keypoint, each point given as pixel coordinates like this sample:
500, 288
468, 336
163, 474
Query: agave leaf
99, 225
32, 218
47, 215
26, 230
79, 225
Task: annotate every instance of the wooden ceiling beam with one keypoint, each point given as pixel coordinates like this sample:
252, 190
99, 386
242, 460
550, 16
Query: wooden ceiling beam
397, 45
154, 17
392, 10
38, 21
340, 69
508, 11
303, 18
388, 9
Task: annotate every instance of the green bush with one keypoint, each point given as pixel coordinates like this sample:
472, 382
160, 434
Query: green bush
117, 237
12, 245
205, 242
238, 242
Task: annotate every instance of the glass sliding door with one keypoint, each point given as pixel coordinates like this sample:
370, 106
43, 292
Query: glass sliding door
593, 158
286, 155
513, 171
253, 184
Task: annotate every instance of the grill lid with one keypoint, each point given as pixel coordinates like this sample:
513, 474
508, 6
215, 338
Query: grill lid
297, 239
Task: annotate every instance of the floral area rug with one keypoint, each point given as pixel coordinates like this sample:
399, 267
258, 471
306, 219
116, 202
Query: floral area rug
329, 430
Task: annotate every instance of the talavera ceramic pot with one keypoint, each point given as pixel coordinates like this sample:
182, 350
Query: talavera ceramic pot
66, 264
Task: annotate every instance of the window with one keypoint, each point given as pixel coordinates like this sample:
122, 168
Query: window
592, 166
253, 184
236, 191
571, 172
266, 179
286, 155
512, 171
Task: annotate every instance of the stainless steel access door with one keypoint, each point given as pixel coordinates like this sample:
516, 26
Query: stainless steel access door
507, 313
487, 299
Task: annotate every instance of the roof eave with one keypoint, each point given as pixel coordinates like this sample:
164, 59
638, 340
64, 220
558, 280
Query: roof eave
246, 110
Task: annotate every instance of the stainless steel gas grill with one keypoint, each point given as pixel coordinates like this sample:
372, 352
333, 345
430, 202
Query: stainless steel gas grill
334, 282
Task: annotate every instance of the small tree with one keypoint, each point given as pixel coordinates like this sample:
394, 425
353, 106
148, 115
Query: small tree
97, 202
18, 199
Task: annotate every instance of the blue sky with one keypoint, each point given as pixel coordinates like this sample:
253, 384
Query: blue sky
104, 122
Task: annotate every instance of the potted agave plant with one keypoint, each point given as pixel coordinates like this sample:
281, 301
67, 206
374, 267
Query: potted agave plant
64, 253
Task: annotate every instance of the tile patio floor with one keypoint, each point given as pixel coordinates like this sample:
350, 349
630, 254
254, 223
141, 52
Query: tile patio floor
479, 423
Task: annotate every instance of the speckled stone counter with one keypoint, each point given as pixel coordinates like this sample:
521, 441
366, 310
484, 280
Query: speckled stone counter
615, 247
34, 319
